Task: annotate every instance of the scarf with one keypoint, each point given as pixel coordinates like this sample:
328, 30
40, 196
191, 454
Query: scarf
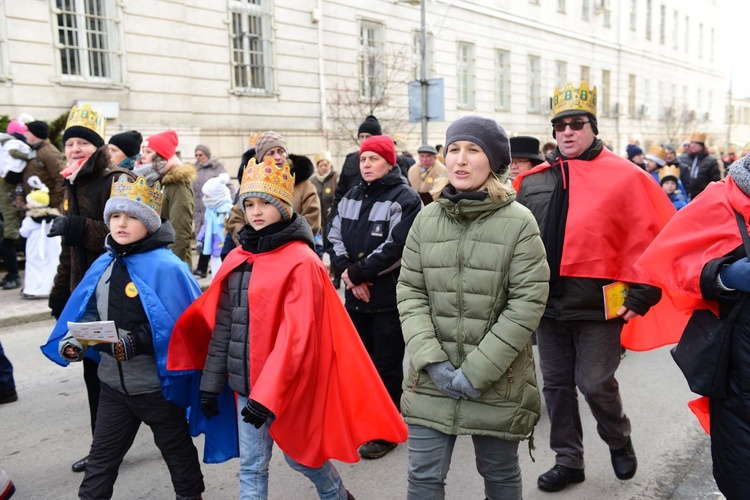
147, 170
71, 171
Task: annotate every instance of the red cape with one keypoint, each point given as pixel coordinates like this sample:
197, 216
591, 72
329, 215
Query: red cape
615, 211
307, 363
704, 230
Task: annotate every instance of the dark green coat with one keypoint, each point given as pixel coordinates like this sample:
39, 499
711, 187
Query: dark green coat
473, 286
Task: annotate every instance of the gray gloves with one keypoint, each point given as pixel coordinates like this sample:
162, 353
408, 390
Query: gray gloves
443, 374
462, 385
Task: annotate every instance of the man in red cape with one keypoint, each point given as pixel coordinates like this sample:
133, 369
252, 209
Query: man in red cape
597, 213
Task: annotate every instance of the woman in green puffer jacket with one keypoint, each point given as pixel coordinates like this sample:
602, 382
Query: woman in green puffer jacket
472, 289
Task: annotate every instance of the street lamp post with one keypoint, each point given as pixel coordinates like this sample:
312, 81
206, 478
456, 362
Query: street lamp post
423, 67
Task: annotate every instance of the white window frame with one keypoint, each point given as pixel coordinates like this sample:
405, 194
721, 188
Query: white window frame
649, 11
4, 58
77, 59
534, 83
465, 75
700, 41
676, 30
502, 80
663, 24
586, 74
687, 34
632, 88
633, 15
604, 93
586, 10
251, 47
370, 58
561, 6
417, 54
561, 73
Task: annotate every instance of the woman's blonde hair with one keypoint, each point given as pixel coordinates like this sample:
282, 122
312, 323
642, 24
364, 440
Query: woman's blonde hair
497, 188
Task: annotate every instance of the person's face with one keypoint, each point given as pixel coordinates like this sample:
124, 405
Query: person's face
671, 156
669, 187
519, 165
638, 159
363, 137
372, 166
323, 167
116, 154
277, 154
572, 143
427, 160
696, 147
260, 213
467, 165
200, 157
651, 166
31, 139
147, 156
126, 229
77, 148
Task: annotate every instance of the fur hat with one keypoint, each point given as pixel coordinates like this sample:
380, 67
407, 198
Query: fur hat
128, 142
485, 133
165, 143
136, 199
38, 198
371, 126
39, 128
382, 145
266, 141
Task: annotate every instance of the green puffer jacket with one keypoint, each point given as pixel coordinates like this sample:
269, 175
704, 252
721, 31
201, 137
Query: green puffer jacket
473, 286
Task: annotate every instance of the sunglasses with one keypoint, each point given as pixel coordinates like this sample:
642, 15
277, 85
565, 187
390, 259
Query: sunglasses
574, 125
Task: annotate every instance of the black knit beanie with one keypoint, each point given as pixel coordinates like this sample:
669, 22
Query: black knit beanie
129, 142
39, 128
371, 126
83, 133
486, 134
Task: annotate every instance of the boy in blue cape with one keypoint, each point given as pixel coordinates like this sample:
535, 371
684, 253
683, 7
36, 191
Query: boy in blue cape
142, 287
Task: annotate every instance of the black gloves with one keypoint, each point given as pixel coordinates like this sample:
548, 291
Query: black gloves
209, 404
59, 227
137, 342
255, 413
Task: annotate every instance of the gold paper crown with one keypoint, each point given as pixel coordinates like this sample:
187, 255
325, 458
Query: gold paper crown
658, 151
270, 179
325, 155
572, 99
669, 171
138, 191
87, 118
698, 137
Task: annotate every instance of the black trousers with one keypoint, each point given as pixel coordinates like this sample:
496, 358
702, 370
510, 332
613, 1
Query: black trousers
381, 334
118, 420
93, 387
203, 261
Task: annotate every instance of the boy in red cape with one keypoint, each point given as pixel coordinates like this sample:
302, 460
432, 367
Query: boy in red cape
274, 324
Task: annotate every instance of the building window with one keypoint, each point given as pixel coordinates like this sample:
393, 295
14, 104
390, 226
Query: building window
687, 33
700, 41
465, 75
661, 102
633, 15
252, 66
649, 14
604, 93
371, 58
662, 24
699, 101
675, 29
561, 5
586, 74
711, 48
631, 96
87, 35
417, 55
585, 10
534, 82
502, 79
645, 108
561, 74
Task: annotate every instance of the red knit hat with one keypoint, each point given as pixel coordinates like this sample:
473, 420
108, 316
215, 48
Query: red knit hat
382, 145
165, 144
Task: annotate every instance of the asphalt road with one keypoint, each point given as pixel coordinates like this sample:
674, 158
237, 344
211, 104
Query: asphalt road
43, 433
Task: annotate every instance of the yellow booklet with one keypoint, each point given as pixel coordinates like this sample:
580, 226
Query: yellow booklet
614, 298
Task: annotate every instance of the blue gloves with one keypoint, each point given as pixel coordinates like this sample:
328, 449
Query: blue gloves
462, 385
736, 275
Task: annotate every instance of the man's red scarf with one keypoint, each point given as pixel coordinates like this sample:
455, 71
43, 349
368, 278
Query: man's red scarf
615, 211
307, 363
704, 230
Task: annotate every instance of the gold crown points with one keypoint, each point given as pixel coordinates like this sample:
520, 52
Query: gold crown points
658, 151
669, 171
138, 191
698, 137
88, 118
270, 179
571, 98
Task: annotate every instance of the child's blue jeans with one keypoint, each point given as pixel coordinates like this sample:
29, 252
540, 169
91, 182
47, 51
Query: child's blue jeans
256, 446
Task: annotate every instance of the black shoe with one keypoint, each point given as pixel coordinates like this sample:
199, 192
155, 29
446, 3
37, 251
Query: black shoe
349, 496
624, 462
558, 477
376, 449
336, 283
200, 274
11, 283
80, 466
8, 396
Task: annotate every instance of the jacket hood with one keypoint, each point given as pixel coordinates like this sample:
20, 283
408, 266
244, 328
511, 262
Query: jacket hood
302, 168
296, 229
181, 174
468, 209
161, 238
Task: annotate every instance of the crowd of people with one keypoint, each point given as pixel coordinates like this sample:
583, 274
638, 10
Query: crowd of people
457, 258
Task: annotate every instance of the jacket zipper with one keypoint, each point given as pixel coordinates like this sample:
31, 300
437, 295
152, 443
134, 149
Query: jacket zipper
510, 381
460, 303
246, 364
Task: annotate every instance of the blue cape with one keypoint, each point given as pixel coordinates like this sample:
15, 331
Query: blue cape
166, 288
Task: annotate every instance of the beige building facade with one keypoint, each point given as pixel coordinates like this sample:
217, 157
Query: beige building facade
217, 70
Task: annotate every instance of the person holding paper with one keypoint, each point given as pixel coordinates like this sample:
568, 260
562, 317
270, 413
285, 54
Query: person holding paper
143, 288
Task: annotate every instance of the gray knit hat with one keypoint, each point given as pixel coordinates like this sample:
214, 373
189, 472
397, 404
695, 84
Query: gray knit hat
286, 210
266, 141
206, 150
740, 172
486, 134
136, 209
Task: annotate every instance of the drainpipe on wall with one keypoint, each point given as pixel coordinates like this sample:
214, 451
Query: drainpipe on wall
317, 18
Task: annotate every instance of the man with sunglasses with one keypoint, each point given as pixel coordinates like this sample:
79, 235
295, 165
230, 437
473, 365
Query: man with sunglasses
587, 227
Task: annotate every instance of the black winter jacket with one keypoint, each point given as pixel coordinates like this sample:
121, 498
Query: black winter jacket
706, 170
229, 350
368, 234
